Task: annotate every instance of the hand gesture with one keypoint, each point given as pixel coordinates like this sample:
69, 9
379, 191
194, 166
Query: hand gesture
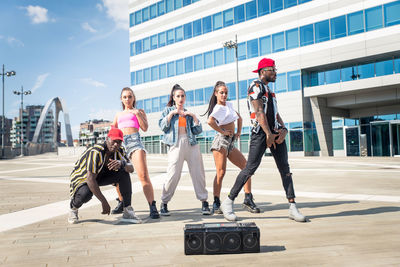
106, 208
281, 135
271, 140
114, 164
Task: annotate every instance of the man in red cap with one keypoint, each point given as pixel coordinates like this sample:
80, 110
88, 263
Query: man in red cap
268, 131
102, 164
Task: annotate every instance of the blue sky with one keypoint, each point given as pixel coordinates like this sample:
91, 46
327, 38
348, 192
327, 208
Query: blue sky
77, 50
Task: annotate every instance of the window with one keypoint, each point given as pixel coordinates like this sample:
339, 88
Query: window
217, 21
199, 97
163, 100
207, 24
153, 42
155, 104
139, 104
242, 89
355, 22
187, 2
139, 77
307, 35
229, 55
241, 51
146, 44
131, 20
154, 73
187, 30
296, 140
161, 8
373, 18
162, 71
179, 67
145, 14
197, 30
170, 36
138, 17
263, 7
169, 5
332, 76
392, 13
208, 91
265, 45
321, 78
348, 74
178, 33
153, 11
338, 27
208, 60
276, 5
218, 57
162, 39
290, 3
278, 43
322, 31
239, 14
133, 78
231, 91
188, 64
138, 47
198, 62
189, 98
132, 49
293, 80
147, 105
280, 83
146, 75
251, 10
252, 48
171, 69
384, 67
397, 65
178, 4
366, 71
292, 38
228, 17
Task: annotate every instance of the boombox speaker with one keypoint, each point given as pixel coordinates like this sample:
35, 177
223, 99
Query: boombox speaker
221, 238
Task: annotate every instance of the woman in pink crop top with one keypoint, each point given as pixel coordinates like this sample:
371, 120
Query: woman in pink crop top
130, 120
222, 117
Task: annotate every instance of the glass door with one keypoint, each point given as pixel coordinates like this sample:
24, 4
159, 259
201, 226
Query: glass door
380, 139
352, 137
395, 138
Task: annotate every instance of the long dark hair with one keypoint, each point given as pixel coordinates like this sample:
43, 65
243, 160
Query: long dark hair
134, 97
171, 101
213, 98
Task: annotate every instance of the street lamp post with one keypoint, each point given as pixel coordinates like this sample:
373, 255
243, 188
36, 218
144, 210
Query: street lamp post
234, 45
22, 93
8, 74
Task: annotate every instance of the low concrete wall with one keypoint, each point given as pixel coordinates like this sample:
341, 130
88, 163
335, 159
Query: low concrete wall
71, 151
35, 149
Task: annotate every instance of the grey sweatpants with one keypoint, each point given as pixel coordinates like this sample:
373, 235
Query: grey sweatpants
176, 156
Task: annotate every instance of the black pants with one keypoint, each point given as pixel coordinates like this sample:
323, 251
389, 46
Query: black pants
258, 146
105, 177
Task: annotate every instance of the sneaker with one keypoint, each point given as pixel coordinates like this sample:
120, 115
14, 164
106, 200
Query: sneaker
205, 210
153, 210
164, 210
73, 216
130, 216
119, 208
216, 205
295, 214
227, 209
249, 204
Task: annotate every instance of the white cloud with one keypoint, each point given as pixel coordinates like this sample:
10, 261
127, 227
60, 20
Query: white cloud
99, 7
92, 82
12, 41
86, 26
39, 81
118, 11
105, 114
37, 14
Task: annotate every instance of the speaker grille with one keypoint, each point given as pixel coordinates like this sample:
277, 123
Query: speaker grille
232, 242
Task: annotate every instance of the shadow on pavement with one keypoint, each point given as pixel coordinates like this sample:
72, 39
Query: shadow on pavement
358, 212
272, 248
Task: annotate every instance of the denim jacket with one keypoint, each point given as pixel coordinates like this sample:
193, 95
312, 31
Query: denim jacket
171, 129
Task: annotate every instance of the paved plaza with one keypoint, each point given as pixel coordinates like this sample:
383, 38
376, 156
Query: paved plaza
353, 207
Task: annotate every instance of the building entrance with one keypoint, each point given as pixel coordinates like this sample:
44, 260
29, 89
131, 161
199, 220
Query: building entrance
380, 139
352, 137
395, 126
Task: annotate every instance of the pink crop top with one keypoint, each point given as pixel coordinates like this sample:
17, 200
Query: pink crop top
128, 120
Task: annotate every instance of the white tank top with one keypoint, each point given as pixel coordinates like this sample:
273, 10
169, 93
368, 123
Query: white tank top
224, 114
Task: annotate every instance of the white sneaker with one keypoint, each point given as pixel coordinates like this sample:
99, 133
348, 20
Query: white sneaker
129, 216
227, 209
73, 216
295, 214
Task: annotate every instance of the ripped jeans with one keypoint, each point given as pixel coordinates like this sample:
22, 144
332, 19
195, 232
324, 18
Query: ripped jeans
258, 145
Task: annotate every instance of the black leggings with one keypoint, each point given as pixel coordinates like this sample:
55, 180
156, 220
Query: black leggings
258, 145
105, 177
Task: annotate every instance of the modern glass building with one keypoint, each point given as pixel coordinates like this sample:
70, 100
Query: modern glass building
338, 82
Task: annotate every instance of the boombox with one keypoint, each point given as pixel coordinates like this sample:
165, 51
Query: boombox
221, 238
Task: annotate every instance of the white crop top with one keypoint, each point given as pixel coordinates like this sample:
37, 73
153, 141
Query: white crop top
224, 114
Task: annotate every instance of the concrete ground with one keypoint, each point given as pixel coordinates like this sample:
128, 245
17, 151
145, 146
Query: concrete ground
353, 207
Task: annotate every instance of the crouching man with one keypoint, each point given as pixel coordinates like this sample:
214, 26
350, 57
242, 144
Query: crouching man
102, 164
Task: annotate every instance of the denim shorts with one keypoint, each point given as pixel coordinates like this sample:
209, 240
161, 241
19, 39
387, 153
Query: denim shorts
132, 143
223, 141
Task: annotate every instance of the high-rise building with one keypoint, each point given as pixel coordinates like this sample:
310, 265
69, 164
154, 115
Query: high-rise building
338, 81
93, 132
30, 118
7, 128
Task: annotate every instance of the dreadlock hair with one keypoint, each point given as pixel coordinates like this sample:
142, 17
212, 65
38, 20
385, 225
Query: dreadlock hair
171, 101
213, 98
134, 97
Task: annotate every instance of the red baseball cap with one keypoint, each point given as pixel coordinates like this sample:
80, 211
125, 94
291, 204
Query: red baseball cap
264, 63
115, 134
